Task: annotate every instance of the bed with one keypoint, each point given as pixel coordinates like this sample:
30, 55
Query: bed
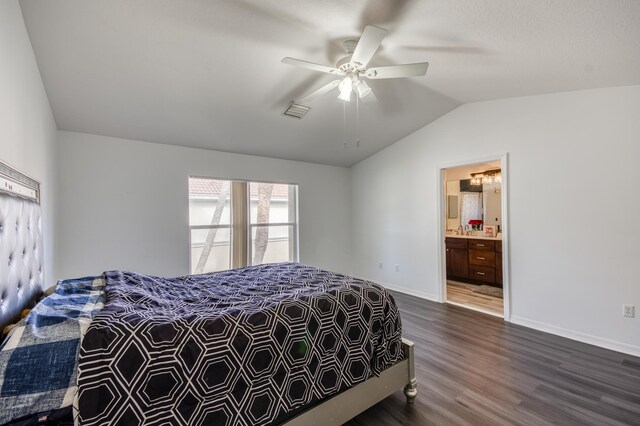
268, 344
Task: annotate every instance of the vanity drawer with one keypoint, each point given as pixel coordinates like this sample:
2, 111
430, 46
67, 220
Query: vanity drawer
482, 273
456, 243
482, 258
487, 245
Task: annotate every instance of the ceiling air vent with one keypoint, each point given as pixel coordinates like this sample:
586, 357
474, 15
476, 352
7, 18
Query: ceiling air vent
296, 110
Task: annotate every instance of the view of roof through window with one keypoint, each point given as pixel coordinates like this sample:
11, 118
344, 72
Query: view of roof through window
205, 187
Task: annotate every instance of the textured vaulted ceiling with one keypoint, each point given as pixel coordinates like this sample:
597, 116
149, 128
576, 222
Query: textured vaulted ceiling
207, 73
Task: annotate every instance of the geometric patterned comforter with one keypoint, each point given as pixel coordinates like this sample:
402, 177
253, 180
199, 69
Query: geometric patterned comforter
38, 360
247, 346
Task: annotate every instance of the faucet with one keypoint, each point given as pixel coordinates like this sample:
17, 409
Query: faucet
460, 230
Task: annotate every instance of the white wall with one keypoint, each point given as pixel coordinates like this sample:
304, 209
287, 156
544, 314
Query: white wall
27, 126
574, 203
124, 204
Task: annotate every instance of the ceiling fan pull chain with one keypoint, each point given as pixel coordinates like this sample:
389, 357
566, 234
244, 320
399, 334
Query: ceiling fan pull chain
358, 121
344, 124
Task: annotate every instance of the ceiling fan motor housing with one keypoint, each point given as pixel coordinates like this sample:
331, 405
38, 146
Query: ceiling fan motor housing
345, 65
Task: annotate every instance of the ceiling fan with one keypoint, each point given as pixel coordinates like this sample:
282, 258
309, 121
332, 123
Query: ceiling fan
354, 67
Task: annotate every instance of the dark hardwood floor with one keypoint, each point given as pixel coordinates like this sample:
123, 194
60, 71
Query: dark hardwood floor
475, 369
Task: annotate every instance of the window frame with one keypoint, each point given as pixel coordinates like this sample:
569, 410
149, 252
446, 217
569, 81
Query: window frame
294, 246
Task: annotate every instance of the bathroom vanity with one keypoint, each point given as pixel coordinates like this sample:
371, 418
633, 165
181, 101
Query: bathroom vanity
474, 259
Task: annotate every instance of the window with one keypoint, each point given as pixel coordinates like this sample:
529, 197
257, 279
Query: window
210, 224
273, 222
237, 223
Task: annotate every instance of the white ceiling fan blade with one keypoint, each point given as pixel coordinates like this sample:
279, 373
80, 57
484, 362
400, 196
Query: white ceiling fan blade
312, 66
368, 44
321, 91
396, 71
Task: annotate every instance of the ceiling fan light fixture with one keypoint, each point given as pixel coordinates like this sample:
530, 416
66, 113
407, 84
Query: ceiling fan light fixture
345, 87
345, 96
362, 88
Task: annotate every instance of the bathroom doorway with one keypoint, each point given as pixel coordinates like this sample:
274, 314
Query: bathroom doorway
473, 235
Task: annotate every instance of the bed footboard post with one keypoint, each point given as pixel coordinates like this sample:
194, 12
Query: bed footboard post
411, 389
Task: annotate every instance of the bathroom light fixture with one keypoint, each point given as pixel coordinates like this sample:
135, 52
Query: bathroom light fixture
476, 180
486, 177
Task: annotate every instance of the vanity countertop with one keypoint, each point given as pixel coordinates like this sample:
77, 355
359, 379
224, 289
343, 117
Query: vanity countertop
473, 237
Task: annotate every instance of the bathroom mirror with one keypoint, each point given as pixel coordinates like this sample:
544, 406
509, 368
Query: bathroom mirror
492, 203
485, 201
452, 207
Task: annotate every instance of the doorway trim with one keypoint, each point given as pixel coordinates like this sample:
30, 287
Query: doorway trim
506, 227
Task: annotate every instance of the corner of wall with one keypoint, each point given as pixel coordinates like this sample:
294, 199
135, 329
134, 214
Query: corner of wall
27, 126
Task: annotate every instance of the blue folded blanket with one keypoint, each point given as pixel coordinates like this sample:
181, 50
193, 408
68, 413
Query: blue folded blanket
39, 357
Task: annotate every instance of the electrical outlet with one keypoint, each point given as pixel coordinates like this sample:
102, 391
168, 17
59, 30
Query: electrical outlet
629, 311
380, 266
397, 268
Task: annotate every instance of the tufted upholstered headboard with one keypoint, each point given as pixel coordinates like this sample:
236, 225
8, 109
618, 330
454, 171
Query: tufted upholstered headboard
21, 268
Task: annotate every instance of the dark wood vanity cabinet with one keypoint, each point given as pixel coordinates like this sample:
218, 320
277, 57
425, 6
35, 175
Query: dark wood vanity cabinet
499, 262
473, 260
457, 263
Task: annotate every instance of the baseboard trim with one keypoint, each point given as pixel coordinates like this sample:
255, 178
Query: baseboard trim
578, 336
420, 294
590, 339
